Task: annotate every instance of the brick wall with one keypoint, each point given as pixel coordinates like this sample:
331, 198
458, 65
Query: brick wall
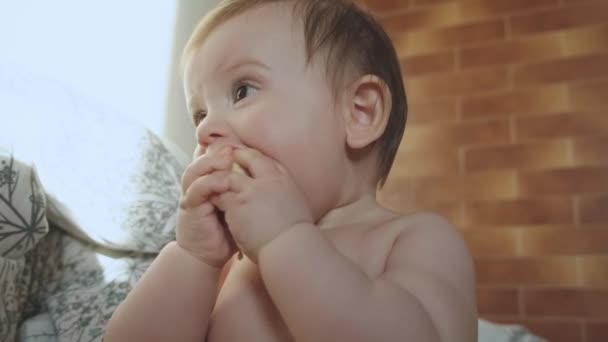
508, 138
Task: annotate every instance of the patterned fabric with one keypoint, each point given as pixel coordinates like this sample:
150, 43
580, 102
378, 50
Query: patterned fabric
26, 265
91, 287
26, 282
39, 328
22, 208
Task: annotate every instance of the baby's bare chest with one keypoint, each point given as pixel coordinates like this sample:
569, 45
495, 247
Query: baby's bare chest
245, 311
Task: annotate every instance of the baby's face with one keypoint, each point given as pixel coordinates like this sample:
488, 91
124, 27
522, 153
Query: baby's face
251, 79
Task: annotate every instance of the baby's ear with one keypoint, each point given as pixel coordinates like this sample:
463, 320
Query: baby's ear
368, 107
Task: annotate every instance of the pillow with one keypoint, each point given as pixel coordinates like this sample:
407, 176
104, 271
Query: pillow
22, 225
493, 332
108, 180
22, 208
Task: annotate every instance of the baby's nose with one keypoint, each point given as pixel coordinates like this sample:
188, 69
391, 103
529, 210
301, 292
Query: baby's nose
211, 130
214, 133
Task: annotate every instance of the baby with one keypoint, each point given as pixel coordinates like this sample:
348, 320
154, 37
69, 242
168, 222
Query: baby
306, 97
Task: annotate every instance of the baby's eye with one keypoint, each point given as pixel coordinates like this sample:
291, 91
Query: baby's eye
241, 91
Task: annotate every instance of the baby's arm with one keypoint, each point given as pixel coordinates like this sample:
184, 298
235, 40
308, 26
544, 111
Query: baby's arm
171, 302
175, 297
426, 292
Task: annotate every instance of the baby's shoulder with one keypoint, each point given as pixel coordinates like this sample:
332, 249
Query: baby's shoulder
426, 234
428, 243
420, 228
421, 232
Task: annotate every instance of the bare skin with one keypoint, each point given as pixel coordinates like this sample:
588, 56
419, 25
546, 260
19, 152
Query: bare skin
323, 260
244, 297
366, 250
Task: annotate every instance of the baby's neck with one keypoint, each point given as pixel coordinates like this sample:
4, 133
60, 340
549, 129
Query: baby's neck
361, 209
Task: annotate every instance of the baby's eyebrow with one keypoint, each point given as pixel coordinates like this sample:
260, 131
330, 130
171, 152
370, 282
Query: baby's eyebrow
246, 62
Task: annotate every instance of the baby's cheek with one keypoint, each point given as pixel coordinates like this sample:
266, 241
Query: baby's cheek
271, 129
258, 131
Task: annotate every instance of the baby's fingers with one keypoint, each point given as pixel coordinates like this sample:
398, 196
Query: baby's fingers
204, 165
202, 188
254, 162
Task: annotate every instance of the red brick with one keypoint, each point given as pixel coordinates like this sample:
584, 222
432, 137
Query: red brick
560, 18
555, 271
492, 242
570, 2
518, 156
592, 151
566, 303
457, 83
434, 111
419, 19
497, 301
574, 181
589, 96
489, 8
513, 51
433, 136
585, 40
477, 186
597, 331
572, 124
594, 209
456, 36
386, 6
595, 271
425, 163
431, 63
547, 99
560, 70
520, 212
564, 240
422, 3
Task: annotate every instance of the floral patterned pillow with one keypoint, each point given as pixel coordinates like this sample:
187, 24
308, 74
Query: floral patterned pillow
23, 225
22, 208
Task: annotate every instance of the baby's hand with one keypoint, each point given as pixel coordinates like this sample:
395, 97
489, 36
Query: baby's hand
262, 202
200, 231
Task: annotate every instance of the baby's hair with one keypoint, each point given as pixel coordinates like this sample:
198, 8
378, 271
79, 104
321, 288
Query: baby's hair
352, 43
